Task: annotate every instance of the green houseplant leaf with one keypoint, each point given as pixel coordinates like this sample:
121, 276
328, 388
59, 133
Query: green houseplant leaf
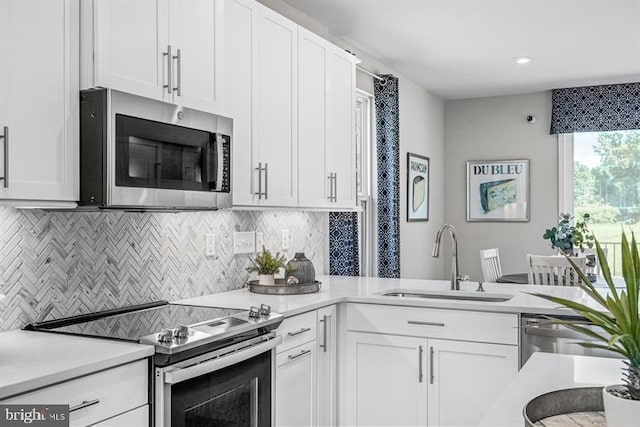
266, 263
617, 314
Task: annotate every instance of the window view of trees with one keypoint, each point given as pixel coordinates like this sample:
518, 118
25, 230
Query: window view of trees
607, 182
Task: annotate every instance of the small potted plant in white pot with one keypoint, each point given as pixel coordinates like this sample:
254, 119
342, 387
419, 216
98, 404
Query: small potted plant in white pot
618, 322
267, 265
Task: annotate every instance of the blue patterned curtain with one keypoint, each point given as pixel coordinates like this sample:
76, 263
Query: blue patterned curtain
388, 152
343, 244
596, 108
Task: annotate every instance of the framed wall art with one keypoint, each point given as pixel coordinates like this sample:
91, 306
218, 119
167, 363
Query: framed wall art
498, 190
417, 187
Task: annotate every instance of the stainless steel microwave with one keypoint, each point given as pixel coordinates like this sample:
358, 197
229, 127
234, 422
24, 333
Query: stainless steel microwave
141, 154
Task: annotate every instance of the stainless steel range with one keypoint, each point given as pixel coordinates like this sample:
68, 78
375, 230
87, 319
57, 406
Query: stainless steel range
213, 366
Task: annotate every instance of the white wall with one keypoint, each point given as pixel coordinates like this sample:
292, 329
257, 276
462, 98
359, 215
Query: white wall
496, 129
421, 132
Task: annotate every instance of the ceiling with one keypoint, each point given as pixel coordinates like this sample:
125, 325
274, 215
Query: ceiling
465, 48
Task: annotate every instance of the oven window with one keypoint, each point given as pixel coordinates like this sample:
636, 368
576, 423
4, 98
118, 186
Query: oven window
239, 395
151, 154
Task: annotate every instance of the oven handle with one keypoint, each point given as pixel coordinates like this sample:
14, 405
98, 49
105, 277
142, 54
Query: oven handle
183, 374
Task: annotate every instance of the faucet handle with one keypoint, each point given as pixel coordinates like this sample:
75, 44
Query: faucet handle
480, 288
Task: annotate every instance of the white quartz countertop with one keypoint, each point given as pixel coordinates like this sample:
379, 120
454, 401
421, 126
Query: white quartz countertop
30, 360
545, 372
335, 289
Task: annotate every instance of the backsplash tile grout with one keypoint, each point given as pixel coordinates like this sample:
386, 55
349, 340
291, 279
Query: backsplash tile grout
57, 264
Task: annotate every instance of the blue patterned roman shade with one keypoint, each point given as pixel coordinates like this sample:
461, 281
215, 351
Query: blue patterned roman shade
388, 152
596, 108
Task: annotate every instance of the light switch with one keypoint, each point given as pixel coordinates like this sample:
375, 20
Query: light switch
285, 238
244, 242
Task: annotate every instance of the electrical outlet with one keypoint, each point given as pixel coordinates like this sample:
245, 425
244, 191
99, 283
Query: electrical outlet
244, 242
284, 234
259, 240
210, 244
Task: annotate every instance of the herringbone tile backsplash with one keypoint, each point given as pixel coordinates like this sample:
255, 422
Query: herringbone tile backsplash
57, 264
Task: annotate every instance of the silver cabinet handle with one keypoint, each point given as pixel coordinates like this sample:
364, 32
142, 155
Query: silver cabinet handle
420, 375
301, 331
418, 322
302, 353
169, 85
431, 375
332, 187
335, 187
84, 404
325, 326
5, 136
259, 193
266, 181
178, 59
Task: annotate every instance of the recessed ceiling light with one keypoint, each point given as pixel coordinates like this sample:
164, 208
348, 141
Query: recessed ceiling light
522, 60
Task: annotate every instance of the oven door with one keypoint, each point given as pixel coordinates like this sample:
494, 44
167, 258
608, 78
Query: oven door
228, 387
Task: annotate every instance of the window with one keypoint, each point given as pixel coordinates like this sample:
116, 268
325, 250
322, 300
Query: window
599, 175
364, 149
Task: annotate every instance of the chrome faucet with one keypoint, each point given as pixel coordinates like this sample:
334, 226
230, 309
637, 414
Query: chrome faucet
455, 278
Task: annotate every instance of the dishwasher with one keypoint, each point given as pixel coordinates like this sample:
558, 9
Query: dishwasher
536, 334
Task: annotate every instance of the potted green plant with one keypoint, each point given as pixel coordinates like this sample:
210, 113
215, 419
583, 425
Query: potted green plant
570, 234
266, 265
618, 329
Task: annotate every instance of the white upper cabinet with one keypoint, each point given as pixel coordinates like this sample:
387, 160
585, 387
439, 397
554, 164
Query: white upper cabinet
326, 124
340, 125
261, 57
240, 41
168, 50
131, 44
275, 109
39, 107
195, 32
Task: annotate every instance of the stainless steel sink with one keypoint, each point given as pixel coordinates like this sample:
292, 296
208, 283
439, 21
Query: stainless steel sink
447, 295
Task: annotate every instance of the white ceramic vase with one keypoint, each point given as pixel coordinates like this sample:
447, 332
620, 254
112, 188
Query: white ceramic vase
266, 279
620, 412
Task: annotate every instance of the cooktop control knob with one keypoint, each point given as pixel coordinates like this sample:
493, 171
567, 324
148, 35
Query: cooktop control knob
254, 313
265, 310
182, 332
165, 335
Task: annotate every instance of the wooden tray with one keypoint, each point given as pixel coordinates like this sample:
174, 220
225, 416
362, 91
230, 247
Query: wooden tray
569, 407
281, 288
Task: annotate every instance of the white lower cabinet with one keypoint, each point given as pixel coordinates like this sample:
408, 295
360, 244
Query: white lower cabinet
384, 383
306, 369
465, 378
423, 373
296, 395
102, 397
327, 366
135, 418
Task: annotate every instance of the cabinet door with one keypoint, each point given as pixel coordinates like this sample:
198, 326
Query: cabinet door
313, 182
386, 380
196, 30
240, 19
131, 43
275, 114
296, 403
39, 80
340, 125
327, 365
467, 375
